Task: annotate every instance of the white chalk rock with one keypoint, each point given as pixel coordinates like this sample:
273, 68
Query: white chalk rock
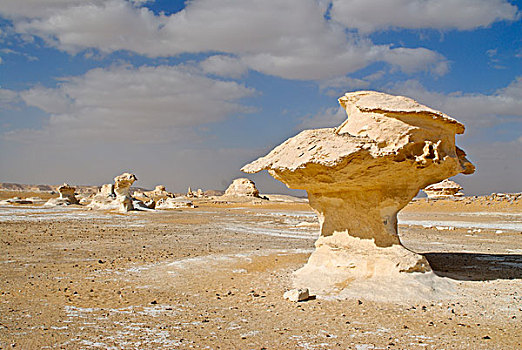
174, 203
242, 187
297, 294
358, 176
67, 196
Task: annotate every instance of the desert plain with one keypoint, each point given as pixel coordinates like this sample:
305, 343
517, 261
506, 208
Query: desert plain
213, 277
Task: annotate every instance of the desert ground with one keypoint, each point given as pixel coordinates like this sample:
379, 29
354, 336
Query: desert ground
213, 277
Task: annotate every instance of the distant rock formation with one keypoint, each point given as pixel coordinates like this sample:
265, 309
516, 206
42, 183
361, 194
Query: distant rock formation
174, 203
115, 196
444, 189
242, 187
358, 176
67, 196
159, 192
16, 200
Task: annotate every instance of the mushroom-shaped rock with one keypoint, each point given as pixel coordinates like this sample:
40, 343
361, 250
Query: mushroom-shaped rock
115, 196
443, 189
67, 196
122, 184
358, 176
242, 187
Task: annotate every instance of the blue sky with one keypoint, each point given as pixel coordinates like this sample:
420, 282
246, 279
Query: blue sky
185, 93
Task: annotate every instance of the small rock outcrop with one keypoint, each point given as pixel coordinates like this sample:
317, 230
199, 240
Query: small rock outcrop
67, 196
174, 203
444, 189
296, 295
242, 187
16, 200
159, 192
358, 176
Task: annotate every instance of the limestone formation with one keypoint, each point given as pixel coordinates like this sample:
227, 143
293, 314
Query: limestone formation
159, 192
117, 196
67, 196
174, 203
358, 176
296, 295
444, 189
190, 194
242, 187
16, 200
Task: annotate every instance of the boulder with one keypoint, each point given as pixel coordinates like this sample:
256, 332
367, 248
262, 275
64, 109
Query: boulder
358, 176
297, 294
67, 196
242, 187
444, 189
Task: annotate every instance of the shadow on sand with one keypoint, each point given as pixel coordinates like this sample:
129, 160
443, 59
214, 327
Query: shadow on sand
476, 267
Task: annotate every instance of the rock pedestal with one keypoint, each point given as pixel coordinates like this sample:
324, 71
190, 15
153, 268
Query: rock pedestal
67, 196
358, 176
115, 196
122, 184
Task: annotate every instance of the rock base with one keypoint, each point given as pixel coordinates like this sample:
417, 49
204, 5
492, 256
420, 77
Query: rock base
345, 267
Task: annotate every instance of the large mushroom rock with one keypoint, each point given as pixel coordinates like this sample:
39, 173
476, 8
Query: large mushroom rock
242, 187
358, 176
443, 189
67, 196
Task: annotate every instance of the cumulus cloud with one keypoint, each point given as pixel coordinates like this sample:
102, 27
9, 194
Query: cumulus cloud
8, 98
327, 118
474, 108
224, 66
145, 104
292, 39
372, 15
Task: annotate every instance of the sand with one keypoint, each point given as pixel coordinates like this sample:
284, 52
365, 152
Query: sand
214, 277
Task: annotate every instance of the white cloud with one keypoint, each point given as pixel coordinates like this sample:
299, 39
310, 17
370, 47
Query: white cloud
372, 15
145, 104
473, 108
330, 117
36, 8
291, 39
224, 66
8, 98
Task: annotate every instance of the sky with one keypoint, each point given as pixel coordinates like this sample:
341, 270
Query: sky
184, 93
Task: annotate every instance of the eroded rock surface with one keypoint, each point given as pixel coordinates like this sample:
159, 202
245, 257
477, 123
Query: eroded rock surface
159, 192
443, 189
115, 196
358, 176
67, 196
242, 187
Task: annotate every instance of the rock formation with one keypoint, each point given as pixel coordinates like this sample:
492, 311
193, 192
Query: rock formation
242, 187
67, 196
443, 189
117, 196
159, 192
358, 176
174, 203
